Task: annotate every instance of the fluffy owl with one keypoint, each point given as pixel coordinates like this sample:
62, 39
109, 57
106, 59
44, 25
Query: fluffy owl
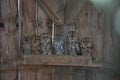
86, 46
59, 47
35, 44
45, 44
72, 43
26, 49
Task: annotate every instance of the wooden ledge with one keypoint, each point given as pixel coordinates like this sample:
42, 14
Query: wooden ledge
37, 61
84, 61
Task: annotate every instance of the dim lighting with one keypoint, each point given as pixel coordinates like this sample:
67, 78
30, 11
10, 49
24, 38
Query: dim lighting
117, 21
106, 5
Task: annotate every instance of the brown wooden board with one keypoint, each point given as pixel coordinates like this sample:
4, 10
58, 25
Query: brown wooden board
67, 73
60, 60
8, 75
44, 73
27, 74
8, 35
28, 17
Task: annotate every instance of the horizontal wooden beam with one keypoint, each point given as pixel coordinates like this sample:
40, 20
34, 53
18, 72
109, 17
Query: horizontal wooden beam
37, 61
60, 60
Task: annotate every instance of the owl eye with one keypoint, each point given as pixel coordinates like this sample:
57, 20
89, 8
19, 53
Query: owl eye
26, 39
84, 41
87, 41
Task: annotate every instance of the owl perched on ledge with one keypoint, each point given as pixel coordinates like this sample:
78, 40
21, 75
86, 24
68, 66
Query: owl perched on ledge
35, 44
45, 44
73, 44
86, 46
59, 47
27, 48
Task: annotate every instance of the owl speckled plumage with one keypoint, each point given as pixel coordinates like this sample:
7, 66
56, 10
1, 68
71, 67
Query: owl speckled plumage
36, 44
73, 44
26, 49
86, 46
59, 47
45, 44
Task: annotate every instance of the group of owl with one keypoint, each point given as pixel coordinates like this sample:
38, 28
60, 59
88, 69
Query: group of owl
37, 44
43, 45
76, 47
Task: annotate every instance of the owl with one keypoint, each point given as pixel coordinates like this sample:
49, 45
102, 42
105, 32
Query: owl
73, 44
45, 44
59, 47
26, 48
35, 44
86, 46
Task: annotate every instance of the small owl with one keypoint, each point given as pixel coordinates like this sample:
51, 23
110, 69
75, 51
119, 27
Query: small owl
72, 43
26, 49
45, 44
86, 46
35, 44
59, 47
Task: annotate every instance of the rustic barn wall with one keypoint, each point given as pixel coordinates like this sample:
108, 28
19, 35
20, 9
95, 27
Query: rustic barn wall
90, 23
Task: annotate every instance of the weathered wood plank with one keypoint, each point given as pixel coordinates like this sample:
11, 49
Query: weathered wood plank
28, 17
60, 60
8, 75
44, 74
28, 74
61, 73
43, 22
68, 73
9, 38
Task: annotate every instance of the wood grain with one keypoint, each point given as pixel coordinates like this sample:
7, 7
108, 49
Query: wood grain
28, 17
44, 73
9, 38
43, 22
28, 74
84, 61
8, 75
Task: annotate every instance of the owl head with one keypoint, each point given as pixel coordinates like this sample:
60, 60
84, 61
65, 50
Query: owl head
35, 40
26, 39
86, 41
71, 35
45, 38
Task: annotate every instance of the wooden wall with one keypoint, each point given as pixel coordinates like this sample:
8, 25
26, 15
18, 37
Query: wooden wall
34, 20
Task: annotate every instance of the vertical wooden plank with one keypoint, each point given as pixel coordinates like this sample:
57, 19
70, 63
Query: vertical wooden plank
28, 17
9, 38
44, 73
27, 74
61, 73
78, 74
8, 75
43, 22
68, 73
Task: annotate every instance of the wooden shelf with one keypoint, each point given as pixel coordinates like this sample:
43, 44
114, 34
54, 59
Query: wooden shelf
37, 61
84, 61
